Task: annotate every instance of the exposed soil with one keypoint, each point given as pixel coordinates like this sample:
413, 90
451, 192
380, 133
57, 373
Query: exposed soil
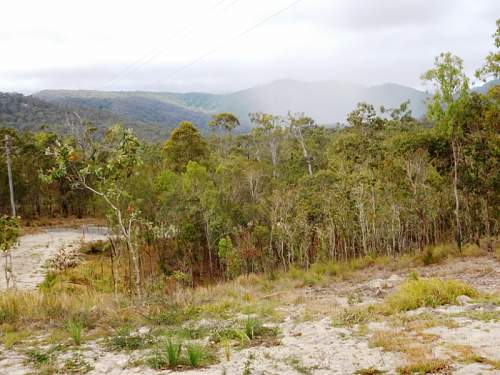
308, 342
29, 258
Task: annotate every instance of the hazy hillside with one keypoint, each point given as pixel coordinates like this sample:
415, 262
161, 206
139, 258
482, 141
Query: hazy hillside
154, 114
328, 102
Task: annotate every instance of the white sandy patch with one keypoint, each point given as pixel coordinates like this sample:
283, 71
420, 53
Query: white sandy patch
34, 250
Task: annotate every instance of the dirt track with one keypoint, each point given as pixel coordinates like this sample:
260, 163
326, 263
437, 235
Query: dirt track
33, 251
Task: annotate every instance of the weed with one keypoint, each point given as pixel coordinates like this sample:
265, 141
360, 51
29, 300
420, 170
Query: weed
247, 370
172, 314
355, 315
195, 354
173, 352
74, 329
77, 365
38, 357
388, 341
253, 328
124, 340
466, 354
157, 360
369, 371
434, 366
9, 339
298, 366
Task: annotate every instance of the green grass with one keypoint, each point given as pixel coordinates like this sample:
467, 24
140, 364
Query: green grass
195, 354
173, 352
253, 328
75, 329
123, 339
413, 294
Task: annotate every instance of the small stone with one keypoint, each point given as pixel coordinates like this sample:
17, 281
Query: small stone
464, 300
143, 331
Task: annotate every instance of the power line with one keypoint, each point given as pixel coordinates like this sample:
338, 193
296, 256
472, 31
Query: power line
238, 36
154, 53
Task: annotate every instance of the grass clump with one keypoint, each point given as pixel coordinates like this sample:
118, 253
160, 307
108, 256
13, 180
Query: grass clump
369, 371
298, 366
173, 352
75, 329
413, 294
125, 340
174, 355
433, 366
77, 365
44, 361
466, 354
355, 315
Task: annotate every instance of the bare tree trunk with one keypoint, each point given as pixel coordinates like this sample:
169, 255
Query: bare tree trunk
209, 245
458, 233
114, 266
9, 173
274, 155
304, 151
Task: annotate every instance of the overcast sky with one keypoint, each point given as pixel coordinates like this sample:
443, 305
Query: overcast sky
224, 45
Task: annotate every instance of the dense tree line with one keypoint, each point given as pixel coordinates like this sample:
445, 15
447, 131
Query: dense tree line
289, 193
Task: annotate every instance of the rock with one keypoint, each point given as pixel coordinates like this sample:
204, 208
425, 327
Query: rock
464, 300
394, 280
143, 331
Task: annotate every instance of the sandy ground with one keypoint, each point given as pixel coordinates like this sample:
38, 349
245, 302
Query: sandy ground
34, 250
308, 342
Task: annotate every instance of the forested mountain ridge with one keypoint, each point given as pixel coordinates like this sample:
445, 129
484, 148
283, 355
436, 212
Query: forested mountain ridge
326, 101
30, 113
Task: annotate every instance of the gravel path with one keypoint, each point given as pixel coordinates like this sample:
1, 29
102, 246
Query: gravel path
34, 250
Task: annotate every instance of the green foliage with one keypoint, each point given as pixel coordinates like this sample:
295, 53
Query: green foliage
491, 67
75, 329
9, 232
224, 121
195, 354
229, 256
124, 339
185, 144
173, 352
413, 294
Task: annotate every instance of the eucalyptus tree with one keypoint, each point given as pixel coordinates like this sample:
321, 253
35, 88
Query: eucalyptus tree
451, 93
185, 144
491, 67
103, 168
298, 123
271, 128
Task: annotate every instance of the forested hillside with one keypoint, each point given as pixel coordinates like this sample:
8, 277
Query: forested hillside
30, 113
328, 102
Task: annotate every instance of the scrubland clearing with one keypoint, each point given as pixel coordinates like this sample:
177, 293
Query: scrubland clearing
366, 316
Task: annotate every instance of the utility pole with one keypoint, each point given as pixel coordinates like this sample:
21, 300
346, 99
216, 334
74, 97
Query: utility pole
9, 173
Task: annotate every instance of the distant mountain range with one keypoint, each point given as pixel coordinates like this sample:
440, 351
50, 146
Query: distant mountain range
154, 114
327, 102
